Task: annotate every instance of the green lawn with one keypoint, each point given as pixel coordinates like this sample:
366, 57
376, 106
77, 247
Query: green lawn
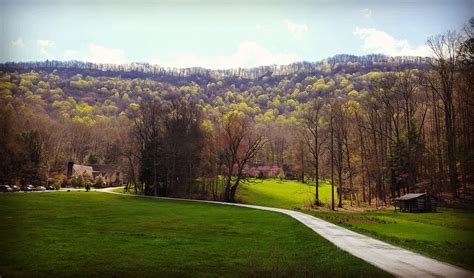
99, 234
447, 235
283, 194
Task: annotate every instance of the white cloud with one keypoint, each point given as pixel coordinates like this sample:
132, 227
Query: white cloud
103, 55
69, 54
18, 43
296, 30
45, 46
376, 41
367, 13
247, 54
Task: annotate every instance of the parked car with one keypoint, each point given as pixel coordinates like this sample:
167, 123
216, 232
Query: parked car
15, 188
5, 188
49, 187
40, 188
28, 187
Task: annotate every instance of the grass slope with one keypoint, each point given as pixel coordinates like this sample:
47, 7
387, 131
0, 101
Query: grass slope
283, 194
447, 235
98, 234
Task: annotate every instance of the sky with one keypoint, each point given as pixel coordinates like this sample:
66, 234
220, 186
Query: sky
221, 34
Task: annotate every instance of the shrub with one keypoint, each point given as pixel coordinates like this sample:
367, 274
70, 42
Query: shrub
99, 182
281, 175
77, 181
55, 178
57, 184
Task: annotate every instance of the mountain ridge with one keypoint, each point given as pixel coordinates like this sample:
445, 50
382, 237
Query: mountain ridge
246, 73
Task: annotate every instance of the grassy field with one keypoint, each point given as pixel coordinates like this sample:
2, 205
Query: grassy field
447, 235
99, 234
283, 194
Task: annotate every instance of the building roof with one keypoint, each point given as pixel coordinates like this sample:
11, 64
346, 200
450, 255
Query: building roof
80, 169
110, 172
105, 170
104, 167
410, 196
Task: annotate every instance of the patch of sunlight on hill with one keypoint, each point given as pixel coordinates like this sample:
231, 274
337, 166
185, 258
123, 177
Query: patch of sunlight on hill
282, 194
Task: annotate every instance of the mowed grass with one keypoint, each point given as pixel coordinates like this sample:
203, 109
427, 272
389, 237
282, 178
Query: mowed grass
447, 235
283, 194
95, 234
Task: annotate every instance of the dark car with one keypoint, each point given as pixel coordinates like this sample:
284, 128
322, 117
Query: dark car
40, 188
15, 188
5, 188
49, 187
28, 187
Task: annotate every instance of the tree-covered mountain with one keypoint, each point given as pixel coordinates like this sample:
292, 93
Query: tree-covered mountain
89, 93
385, 116
374, 60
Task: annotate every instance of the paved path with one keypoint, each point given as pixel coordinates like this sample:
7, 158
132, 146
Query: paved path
395, 260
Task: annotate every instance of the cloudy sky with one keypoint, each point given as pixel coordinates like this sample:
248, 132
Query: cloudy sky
220, 34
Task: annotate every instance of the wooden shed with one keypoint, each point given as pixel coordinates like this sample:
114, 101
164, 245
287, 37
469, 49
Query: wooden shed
416, 202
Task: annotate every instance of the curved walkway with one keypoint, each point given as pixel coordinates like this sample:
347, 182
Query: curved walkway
395, 260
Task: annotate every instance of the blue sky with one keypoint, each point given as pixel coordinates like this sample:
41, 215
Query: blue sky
220, 34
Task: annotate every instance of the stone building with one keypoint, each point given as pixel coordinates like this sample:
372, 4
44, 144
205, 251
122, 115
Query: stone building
110, 173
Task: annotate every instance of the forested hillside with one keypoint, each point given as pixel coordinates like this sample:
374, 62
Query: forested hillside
377, 126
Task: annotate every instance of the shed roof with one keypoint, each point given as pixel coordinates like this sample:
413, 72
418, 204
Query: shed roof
410, 196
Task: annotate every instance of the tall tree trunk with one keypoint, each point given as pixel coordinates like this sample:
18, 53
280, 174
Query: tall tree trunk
316, 166
227, 193
351, 185
363, 164
339, 170
332, 161
450, 138
155, 182
302, 163
233, 189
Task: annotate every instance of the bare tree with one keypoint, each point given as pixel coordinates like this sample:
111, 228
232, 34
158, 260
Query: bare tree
240, 145
331, 151
445, 48
312, 122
